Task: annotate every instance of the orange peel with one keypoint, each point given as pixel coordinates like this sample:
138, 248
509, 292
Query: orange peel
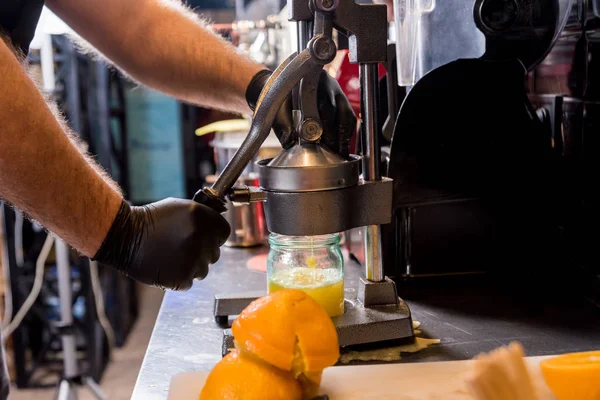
573, 376
239, 377
283, 342
289, 330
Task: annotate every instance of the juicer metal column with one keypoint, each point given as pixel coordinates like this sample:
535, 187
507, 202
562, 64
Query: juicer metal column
304, 35
371, 164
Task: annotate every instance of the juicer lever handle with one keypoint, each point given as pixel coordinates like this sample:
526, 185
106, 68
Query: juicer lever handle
323, 49
276, 90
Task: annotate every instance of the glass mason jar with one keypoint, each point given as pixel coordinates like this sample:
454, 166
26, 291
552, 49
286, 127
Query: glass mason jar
313, 264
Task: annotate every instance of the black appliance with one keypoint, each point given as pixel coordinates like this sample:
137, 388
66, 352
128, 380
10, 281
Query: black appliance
495, 143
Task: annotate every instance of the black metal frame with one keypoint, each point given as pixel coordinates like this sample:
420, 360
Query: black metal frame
92, 98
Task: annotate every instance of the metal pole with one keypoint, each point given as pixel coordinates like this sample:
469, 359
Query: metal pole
72, 85
303, 37
66, 309
303, 30
371, 150
18, 339
371, 164
47, 64
103, 114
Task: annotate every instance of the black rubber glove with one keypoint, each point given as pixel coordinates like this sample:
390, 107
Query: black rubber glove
335, 111
165, 244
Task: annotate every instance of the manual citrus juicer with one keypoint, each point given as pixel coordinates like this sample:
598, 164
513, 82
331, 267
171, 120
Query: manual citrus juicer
309, 190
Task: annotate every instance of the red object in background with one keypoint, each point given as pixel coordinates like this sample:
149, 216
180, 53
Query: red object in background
258, 263
348, 76
349, 79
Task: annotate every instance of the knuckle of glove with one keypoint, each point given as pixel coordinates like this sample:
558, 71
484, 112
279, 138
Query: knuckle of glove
223, 231
208, 224
215, 255
184, 286
202, 262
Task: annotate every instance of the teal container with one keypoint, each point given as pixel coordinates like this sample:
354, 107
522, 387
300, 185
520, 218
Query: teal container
154, 142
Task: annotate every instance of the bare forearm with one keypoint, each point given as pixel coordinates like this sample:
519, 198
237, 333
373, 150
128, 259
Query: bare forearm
165, 46
41, 170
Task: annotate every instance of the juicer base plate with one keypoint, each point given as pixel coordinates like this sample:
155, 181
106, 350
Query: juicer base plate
374, 324
358, 324
233, 304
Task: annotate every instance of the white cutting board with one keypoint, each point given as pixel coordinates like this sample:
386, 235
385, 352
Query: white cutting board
410, 381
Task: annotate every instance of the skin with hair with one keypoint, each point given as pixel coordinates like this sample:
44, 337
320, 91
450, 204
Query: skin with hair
163, 44
44, 170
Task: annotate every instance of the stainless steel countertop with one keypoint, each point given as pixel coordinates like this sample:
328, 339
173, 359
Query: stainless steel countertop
467, 320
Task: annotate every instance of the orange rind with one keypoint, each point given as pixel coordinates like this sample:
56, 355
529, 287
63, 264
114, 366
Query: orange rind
238, 377
290, 330
286, 331
573, 376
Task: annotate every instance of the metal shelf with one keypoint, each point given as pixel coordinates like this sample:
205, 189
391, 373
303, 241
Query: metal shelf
92, 98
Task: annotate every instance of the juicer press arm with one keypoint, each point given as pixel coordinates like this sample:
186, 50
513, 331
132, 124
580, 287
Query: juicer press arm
278, 87
367, 38
311, 190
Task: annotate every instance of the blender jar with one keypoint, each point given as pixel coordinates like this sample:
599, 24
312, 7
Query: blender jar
432, 33
312, 264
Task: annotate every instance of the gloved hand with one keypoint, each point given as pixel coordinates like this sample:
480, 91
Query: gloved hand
335, 111
165, 244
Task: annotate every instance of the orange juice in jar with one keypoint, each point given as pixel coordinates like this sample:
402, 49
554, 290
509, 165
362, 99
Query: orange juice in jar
313, 264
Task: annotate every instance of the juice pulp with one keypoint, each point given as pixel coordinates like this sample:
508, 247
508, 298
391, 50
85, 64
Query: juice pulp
326, 286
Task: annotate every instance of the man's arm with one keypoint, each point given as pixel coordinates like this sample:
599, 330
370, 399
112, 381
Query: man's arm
42, 172
163, 45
